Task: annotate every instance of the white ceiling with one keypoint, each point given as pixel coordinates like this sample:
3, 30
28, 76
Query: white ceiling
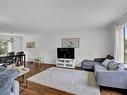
58, 15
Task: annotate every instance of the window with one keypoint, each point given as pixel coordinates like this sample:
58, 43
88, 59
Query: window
125, 44
3, 47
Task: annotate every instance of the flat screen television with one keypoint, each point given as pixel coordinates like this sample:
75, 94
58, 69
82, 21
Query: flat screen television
68, 53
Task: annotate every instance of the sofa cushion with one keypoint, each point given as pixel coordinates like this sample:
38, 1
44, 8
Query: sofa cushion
100, 68
99, 60
113, 65
121, 67
116, 66
6, 79
106, 62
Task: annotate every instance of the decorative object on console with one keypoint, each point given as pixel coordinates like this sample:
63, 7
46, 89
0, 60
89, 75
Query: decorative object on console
30, 45
70, 42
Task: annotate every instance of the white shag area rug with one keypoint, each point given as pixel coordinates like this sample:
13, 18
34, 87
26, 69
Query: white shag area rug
73, 81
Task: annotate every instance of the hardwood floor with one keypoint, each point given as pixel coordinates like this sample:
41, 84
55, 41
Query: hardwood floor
36, 89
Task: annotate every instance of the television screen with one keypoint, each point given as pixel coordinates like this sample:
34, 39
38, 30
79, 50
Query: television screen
65, 53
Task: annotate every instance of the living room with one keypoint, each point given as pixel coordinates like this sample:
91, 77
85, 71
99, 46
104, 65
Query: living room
35, 30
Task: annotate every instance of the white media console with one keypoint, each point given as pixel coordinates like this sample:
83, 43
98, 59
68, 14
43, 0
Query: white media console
67, 63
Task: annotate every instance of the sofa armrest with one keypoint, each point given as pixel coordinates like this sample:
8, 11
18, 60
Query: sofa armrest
117, 79
15, 87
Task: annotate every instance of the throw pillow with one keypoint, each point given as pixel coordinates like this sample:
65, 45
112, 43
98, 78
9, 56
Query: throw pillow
125, 66
113, 65
105, 62
6, 80
109, 57
122, 67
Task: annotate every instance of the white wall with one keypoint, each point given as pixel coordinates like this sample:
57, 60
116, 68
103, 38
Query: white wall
18, 44
93, 43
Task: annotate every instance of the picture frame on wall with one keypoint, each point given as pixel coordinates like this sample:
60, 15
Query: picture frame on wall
30, 44
70, 42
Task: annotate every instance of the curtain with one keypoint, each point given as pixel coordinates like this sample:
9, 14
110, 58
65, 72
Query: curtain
119, 44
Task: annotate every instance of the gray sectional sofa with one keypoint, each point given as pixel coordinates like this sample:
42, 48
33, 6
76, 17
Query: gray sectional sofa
8, 84
105, 77
15, 88
110, 78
